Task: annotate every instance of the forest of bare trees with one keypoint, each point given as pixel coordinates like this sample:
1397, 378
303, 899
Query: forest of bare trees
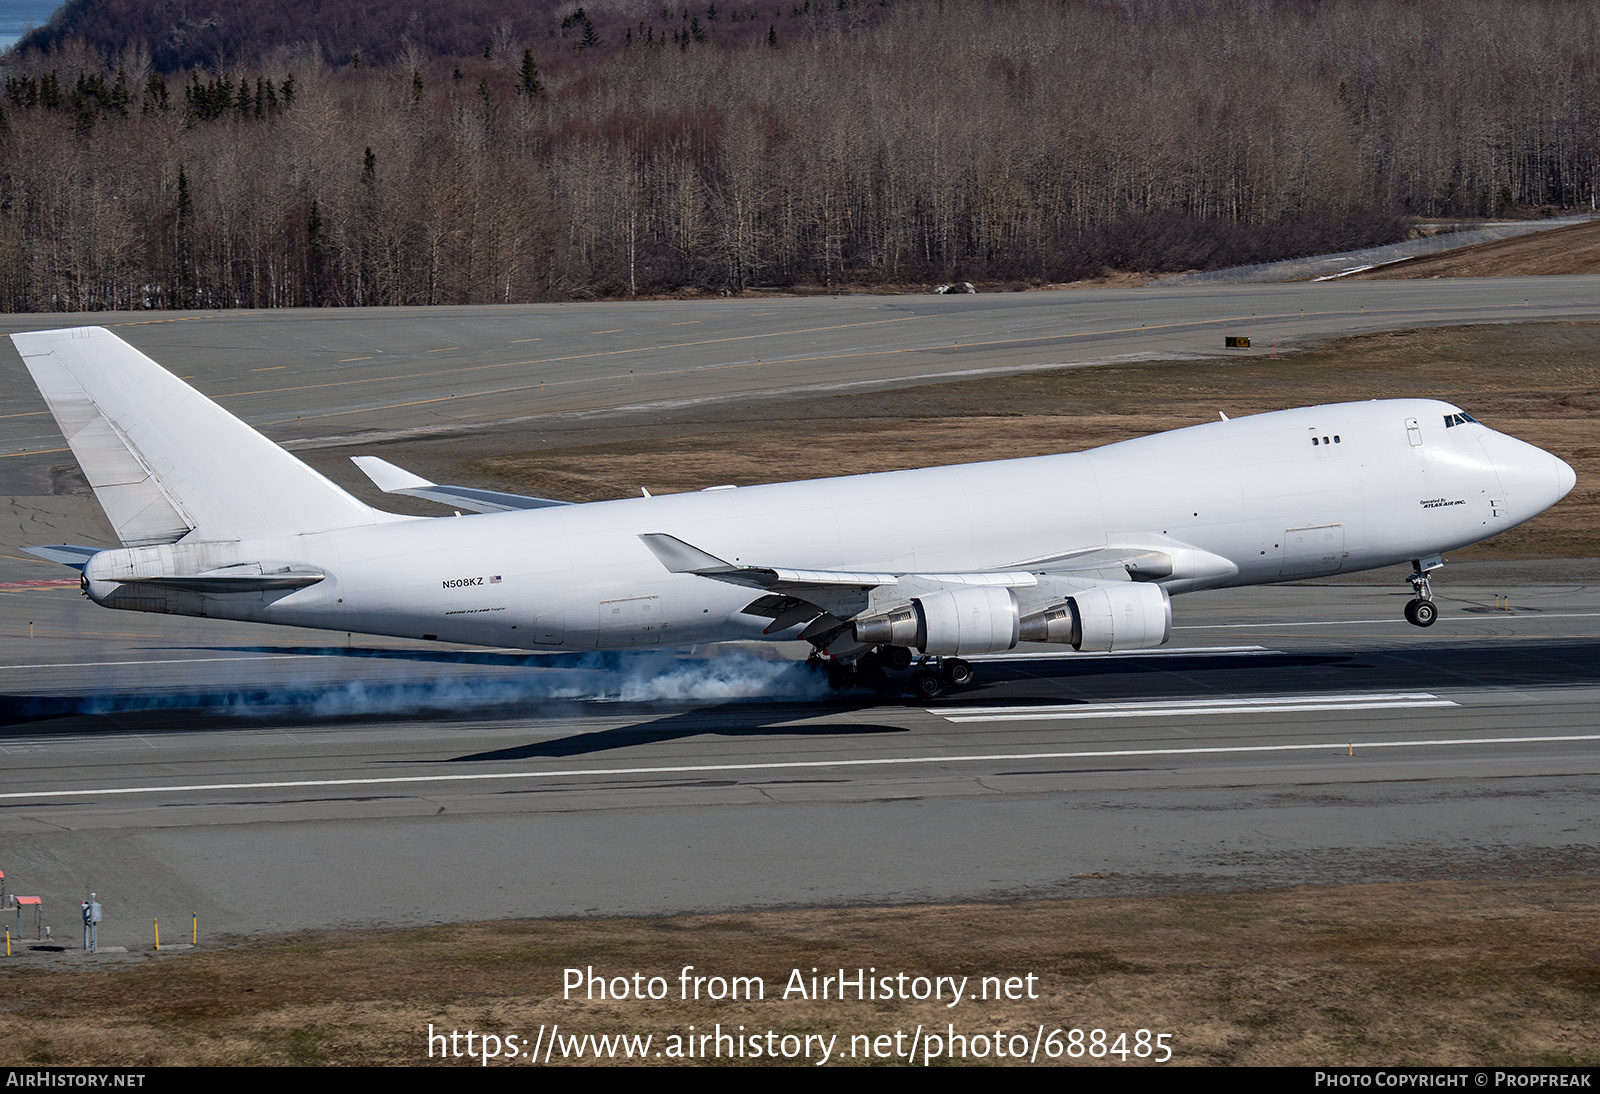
1035, 140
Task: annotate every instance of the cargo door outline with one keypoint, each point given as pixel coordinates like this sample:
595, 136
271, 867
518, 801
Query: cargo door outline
1315, 550
630, 621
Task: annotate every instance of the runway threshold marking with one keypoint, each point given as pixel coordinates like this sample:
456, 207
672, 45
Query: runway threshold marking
1336, 747
1169, 708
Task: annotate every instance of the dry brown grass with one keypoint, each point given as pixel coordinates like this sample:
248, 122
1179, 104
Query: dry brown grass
1573, 250
1421, 973
1540, 382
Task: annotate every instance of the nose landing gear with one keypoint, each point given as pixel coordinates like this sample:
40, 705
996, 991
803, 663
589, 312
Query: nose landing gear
1421, 610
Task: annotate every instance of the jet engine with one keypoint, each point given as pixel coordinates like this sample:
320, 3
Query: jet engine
1132, 616
976, 619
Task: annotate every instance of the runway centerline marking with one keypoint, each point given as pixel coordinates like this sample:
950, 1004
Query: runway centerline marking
792, 765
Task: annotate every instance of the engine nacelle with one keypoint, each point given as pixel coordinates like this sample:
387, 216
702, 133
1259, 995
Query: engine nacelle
1132, 616
952, 622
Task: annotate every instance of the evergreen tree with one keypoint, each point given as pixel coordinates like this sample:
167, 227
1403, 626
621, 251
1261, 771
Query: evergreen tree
155, 95
528, 82
120, 95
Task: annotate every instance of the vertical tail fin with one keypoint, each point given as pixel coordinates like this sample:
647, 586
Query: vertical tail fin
165, 462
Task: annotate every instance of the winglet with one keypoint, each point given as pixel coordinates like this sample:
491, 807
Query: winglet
397, 480
387, 477
680, 558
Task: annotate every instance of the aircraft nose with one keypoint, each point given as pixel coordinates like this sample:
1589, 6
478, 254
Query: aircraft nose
1566, 477
1534, 479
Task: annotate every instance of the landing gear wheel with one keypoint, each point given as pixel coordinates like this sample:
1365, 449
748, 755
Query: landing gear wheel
869, 671
926, 684
956, 672
841, 677
897, 658
1421, 613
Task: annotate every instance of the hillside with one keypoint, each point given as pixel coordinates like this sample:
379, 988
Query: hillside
319, 154
221, 34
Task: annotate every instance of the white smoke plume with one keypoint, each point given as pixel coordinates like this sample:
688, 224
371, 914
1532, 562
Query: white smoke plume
400, 687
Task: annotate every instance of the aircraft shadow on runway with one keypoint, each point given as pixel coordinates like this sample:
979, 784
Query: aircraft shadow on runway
582, 681
724, 721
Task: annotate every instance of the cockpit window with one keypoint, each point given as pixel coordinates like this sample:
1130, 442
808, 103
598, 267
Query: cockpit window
1458, 419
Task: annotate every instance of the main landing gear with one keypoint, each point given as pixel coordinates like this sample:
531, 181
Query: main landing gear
1421, 610
934, 674
885, 668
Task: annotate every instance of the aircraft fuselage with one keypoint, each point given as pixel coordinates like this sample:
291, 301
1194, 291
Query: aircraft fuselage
1292, 494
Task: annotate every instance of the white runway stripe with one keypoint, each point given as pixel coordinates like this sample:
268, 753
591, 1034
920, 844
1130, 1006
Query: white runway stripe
1173, 708
1366, 622
1333, 747
1074, 655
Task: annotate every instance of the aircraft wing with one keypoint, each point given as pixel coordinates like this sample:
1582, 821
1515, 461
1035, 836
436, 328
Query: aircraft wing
830, 600
683, 558
1083, 569
1099, 598
397, 480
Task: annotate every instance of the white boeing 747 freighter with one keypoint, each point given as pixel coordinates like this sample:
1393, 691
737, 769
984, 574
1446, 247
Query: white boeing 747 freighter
901, 570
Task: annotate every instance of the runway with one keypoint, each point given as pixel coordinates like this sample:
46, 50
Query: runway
266, 779
316, 378
1291, 735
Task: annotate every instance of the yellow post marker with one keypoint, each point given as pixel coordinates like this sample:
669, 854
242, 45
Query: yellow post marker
1352, 748
157, 922
8, 941
194, 936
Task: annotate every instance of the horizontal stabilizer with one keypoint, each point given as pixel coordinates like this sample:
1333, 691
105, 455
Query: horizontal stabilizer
165, 462
397, 480
68, 554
